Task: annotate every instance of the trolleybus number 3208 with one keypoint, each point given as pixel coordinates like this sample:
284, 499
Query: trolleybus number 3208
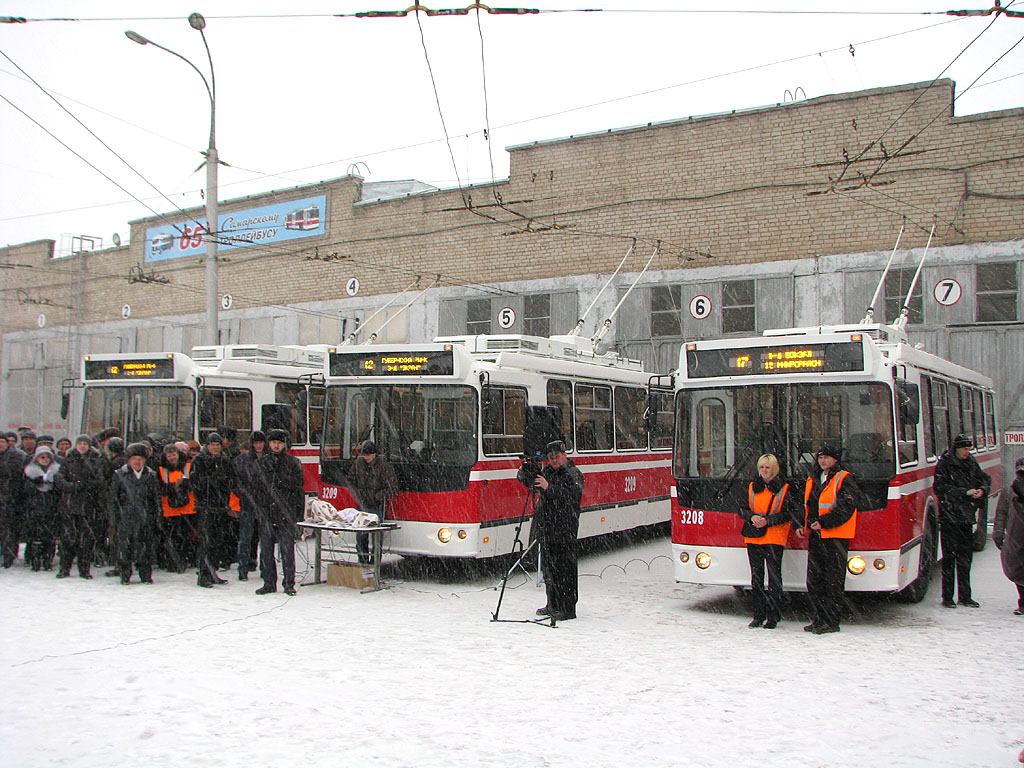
691, 516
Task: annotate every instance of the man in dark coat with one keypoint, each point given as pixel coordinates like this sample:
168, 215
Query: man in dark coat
280, 502
372, 481
12, 462
556, 521
961, 487
81, 484
134, 502
1008, 533
245, 469
212, 479
831, 499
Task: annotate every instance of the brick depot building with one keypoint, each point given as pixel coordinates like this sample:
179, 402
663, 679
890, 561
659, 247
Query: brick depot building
781, 216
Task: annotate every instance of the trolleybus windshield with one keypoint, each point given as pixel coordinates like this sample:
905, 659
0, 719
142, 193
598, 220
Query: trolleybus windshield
164, 412
428, 432
722, 431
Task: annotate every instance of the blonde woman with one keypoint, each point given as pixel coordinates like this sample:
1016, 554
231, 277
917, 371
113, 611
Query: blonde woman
771, 510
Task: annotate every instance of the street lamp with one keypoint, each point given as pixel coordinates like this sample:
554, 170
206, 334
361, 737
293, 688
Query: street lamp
197, 22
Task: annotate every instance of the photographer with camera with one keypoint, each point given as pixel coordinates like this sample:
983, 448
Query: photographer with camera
556, 519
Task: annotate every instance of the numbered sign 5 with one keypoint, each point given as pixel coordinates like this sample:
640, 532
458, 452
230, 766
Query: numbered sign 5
700, 307
506, 318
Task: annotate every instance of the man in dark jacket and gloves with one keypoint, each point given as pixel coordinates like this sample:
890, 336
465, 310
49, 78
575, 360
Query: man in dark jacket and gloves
961, 487
81, 482
212, 479
12, 462
831, 498
372, 481
280, 502
135, 510
245, 469
556, 522
1008, 533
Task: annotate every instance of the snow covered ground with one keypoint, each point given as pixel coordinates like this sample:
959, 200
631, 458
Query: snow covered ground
651, 673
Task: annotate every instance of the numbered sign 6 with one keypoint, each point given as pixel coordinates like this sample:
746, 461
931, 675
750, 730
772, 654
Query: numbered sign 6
700, 307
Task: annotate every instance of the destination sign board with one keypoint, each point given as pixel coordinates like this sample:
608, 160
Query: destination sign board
766, 360
405, 363
155, 368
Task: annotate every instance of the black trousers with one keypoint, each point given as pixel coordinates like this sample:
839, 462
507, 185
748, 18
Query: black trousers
767, 604
211, 533
10, 533
558, 564
283, 534
957, 556
76, 541
826, 578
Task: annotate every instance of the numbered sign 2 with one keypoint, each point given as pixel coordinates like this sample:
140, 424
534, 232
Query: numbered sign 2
700, 307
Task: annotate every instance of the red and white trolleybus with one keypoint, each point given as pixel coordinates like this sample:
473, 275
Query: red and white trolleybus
892, 408
451, 415
169, 395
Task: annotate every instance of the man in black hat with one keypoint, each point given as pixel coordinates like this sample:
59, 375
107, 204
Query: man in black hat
830, 507
280, 502
961, 487
81, 482
28, 444
372, 481
248, 532
556, 521
211, 479
12, 463
135, 510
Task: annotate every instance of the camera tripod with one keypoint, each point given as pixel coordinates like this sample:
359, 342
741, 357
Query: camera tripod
517, 546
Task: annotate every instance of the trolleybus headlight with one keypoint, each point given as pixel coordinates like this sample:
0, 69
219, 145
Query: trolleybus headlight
684, 557
856, 565
879, 564
462, 534
444, 535
702, 560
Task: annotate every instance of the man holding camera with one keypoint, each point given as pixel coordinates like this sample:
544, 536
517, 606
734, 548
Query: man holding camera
556, 520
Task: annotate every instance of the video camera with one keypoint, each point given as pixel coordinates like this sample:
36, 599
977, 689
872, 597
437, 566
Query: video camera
531, 468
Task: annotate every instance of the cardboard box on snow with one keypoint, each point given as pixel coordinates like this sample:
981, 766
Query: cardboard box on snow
352, 576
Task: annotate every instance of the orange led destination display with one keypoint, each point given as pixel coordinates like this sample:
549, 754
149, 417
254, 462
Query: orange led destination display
752, 361
413, 363
100, 370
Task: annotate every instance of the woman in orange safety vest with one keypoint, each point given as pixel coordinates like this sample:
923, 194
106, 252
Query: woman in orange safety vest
772, 508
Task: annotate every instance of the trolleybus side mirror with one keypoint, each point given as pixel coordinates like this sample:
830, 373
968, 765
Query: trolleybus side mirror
909, 398
65, 404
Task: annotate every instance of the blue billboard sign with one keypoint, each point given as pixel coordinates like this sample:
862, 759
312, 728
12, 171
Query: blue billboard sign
276, 223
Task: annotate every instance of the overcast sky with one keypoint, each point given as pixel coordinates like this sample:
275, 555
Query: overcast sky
302, 95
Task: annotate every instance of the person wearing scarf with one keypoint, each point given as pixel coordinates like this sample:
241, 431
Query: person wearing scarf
40, 504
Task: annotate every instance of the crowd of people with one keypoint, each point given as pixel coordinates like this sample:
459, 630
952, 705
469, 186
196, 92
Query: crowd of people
130, 508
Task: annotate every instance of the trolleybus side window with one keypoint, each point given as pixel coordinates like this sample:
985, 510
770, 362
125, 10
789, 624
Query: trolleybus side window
940, 417
294, 396
593, 417
908, 415
990, 420
630, 431
661, 428
956, 424
230, 407
711, 437
967, 395
560, 396
504, 417
316, 413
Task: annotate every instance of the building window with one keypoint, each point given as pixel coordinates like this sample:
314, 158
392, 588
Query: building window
897, 283
666, 318
997, 293
738, 306
537, 315
478, 316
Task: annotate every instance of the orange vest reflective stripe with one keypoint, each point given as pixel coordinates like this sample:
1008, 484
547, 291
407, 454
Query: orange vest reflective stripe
827, 502
768, 503
168, 477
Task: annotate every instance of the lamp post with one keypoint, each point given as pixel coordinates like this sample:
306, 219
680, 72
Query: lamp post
197, 22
